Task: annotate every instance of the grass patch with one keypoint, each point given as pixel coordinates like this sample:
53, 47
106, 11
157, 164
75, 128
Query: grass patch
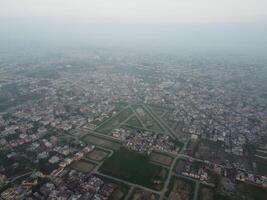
133, 167
97, 154
161, 158
115, 121
83, 166
134, 121
98, 141
158, 110
120, 106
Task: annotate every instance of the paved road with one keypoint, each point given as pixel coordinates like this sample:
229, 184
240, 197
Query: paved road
138, 117
111, 118
20, 176
127, 182
127, 197
196, 191
159, 121
165, 187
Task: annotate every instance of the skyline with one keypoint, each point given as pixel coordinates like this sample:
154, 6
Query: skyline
239, 26
139, 11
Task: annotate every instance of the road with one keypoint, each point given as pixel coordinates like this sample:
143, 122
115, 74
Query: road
196, 190
165, 187
128, 183
160, 122
167, 129
127, 197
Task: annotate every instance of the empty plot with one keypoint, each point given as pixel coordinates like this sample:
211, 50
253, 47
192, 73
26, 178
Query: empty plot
181, 189
101, 142
134, 167
139, 194
161, 158
206, 193
97, 154
83, 166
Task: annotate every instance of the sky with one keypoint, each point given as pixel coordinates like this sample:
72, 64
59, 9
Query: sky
199, 23
141, 11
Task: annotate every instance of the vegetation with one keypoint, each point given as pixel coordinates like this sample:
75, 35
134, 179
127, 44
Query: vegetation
115, 121
134, 121
132, 167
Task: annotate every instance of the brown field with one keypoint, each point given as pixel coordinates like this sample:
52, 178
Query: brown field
181, 189
118, 193
206, 193
83, 166
102, 142
180, 165
139, 194
97, 154
161, 158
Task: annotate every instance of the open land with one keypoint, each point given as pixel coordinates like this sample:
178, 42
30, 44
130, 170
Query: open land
133, 167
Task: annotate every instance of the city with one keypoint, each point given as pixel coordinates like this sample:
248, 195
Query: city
148, 131
133, 100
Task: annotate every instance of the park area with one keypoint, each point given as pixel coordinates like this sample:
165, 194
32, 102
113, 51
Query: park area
135, 168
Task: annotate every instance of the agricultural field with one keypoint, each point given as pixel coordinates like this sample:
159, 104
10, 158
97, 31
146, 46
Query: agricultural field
135, 168
161, 158
83, 166
98, 141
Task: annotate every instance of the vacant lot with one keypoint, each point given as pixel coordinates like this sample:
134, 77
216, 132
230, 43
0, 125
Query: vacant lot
83, 166
139, 194
181, 189
161, 158
133, 167
206, 193
98, 141
97, 154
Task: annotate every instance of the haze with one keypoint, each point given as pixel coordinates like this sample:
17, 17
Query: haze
204, 23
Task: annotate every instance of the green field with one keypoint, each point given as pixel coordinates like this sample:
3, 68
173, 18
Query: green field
120, 106
114, 122
261, 165
99, 141
133, 167
147, 119
158, 110
134, 121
